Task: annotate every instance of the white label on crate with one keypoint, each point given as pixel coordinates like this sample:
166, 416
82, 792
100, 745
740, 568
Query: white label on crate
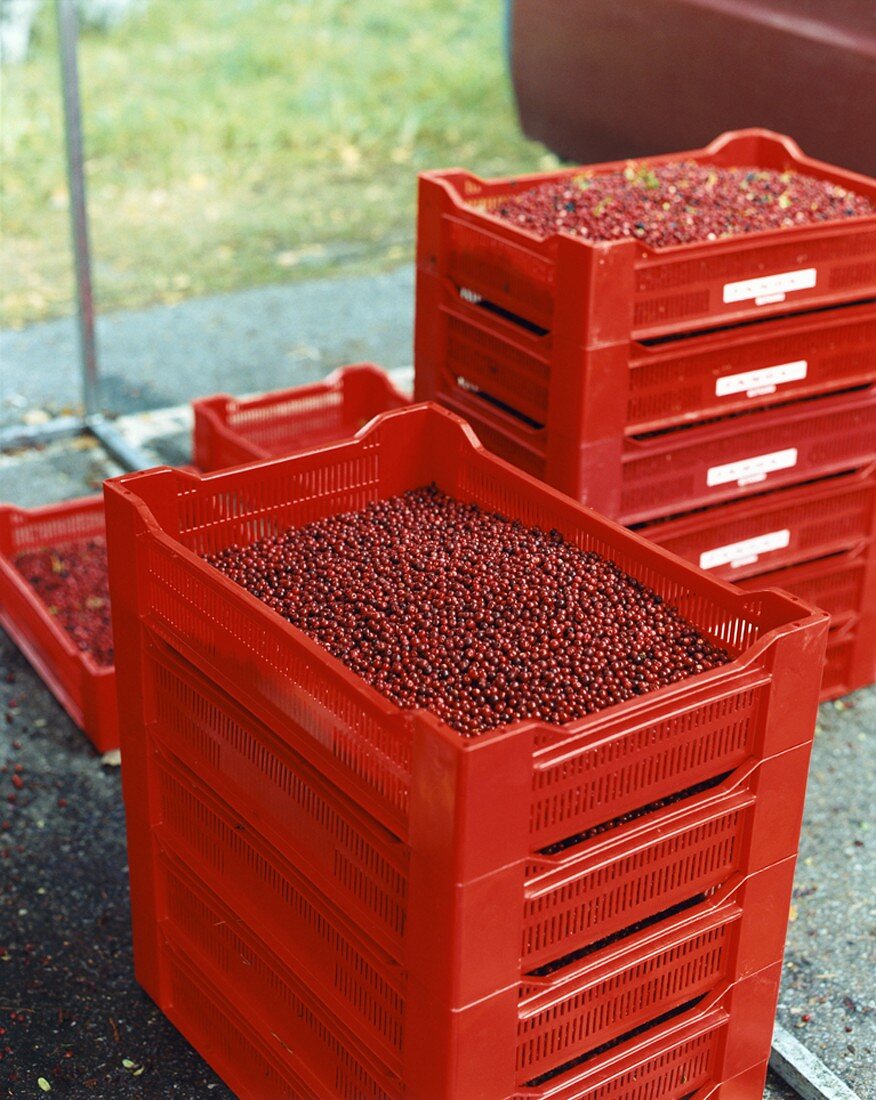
746, 551
750, 470
770, 288
755, 383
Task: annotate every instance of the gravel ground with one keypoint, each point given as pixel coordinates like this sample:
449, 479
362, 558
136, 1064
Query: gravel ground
69, 1005
828, 996
69, 1008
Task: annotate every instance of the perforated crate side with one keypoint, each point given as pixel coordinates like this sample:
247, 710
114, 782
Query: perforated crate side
850, 663
347, 854
215, 1027
775, 529
85, 689
229, 431
733, 458
267, 993
558, 394
837, 584
604, 292
751, 366
360, 984
844, 585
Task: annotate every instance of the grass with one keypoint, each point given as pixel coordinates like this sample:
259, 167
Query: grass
232, 143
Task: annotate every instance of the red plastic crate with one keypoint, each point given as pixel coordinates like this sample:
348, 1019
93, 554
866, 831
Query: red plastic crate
700, 1053
844, 585
593, 294
850, 663
642, 479
816, 541
571, 898
838, 584
775, 529
231, 430
554, 1020
475, 357
504, 796
85, 689
258, 658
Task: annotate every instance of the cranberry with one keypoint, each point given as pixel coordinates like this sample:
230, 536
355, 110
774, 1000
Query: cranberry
72, 583
473, 616
678, 202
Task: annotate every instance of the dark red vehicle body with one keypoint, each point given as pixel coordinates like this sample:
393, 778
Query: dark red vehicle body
601, 80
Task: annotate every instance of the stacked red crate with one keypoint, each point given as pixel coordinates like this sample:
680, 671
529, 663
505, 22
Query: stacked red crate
648, 383
333, 896
814, 540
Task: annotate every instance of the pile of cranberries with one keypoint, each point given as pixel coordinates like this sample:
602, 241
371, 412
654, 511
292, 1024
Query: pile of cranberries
676, 203
73, 584
468, 614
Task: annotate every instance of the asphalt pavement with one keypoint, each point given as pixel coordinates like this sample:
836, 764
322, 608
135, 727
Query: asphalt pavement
240, 342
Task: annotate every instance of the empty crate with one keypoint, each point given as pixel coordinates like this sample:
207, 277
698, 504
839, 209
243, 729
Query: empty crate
230, 430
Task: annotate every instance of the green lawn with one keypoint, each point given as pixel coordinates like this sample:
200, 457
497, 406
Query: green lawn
236, 142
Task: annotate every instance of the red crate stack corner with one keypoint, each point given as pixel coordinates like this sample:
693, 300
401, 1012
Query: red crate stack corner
229, 431
681, 391
342, 897
845, 587
816, 541
84, 688
586, 419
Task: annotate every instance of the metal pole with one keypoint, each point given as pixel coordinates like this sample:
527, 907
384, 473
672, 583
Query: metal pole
67, 34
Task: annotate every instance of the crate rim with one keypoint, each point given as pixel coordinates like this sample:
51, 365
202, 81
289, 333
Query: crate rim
798, 613
210, 406
856, 181
163, 839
